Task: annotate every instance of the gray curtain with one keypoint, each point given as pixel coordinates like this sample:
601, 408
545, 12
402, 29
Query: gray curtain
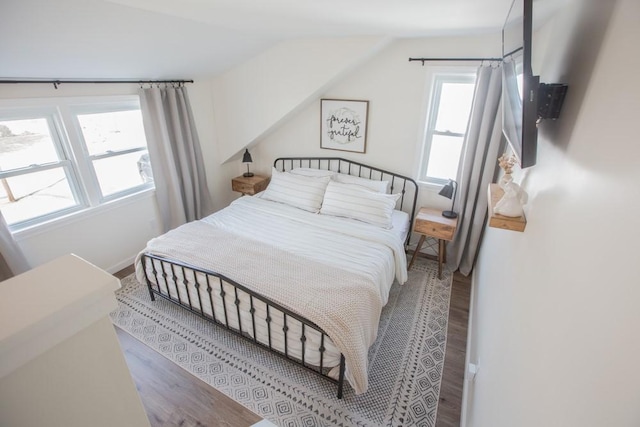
12, 260
478, 167
176, 158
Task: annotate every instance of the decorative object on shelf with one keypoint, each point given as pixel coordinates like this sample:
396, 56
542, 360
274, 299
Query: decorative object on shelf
506, 163
514, 197
449, 191
494, 195
246, 158
343, 125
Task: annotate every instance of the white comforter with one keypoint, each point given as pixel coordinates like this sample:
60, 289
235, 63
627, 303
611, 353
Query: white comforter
341, 242
336, 272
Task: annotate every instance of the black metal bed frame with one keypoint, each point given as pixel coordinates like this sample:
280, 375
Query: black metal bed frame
199, 283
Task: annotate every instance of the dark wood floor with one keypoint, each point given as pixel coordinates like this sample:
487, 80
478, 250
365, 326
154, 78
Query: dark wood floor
177, 398
450, 403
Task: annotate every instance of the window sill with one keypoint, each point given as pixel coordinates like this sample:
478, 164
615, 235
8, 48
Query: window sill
66, 220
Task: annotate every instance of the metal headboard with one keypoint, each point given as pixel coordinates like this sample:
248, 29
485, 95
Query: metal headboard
399, 183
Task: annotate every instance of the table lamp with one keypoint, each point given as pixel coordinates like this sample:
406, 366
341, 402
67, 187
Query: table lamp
449, 191
246, 158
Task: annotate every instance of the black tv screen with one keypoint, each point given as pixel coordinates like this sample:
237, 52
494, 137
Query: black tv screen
519, 85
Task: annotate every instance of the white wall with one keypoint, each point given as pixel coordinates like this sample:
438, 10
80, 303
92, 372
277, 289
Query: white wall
397, 91
555, 326
109, 236
219, 174
249, 100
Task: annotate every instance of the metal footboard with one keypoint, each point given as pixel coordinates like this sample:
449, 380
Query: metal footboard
218, 299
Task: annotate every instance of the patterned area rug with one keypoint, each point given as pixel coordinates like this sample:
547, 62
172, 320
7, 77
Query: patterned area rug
405, 362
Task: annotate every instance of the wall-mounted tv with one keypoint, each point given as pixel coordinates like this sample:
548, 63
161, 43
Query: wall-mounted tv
519, 85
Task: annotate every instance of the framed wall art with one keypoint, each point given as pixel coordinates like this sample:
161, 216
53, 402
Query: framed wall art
343, 125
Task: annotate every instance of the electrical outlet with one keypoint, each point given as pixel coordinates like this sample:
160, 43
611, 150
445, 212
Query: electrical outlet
472, 371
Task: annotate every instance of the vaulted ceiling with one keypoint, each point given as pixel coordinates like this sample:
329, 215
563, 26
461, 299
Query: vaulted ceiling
190, 38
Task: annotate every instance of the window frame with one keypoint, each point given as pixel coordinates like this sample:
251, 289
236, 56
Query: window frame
89, 173
439, 77
65, 161
73, 155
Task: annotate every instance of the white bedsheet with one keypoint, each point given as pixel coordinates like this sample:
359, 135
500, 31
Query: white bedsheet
353, 248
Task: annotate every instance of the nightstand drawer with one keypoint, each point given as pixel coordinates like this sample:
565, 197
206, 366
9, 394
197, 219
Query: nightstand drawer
439, 231
249, 185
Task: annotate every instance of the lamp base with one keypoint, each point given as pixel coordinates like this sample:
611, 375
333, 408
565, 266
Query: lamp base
247, 174
449, 214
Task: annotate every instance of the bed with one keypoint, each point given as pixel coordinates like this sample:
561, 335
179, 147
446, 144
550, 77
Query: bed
301, 269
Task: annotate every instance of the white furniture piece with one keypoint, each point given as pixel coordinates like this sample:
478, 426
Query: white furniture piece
60, 360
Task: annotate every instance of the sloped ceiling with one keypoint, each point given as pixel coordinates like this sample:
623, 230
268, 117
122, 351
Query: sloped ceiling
193, 38
97, 39
313, 18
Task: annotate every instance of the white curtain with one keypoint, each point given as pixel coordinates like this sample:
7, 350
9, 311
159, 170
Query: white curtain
176, 158
478, 167
12, 260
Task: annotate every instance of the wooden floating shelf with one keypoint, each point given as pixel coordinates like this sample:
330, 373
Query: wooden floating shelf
501, 221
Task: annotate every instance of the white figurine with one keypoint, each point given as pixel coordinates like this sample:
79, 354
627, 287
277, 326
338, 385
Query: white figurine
514, 197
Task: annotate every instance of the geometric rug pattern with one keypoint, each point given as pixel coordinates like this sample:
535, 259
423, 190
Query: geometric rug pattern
405, 361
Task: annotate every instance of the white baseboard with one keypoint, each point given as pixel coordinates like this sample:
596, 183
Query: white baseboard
467, 387
122, 264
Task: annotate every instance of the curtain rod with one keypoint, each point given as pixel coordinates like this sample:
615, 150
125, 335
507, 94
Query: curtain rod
57, 82
423, 60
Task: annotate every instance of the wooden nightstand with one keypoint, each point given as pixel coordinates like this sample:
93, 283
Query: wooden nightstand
431, 223
249, 184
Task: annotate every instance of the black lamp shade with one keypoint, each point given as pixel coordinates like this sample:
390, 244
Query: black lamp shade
449, 191
246, 158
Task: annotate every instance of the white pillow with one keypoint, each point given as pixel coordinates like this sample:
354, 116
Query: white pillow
379, 186
357, 202
296, 190
311, 172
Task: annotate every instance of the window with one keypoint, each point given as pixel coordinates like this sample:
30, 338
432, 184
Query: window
67, 155
114, 141
36, 174
450, 106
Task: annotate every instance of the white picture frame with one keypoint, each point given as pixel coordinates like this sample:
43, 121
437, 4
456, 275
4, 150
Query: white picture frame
343, 125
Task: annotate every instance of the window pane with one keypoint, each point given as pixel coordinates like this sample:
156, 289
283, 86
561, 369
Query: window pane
444, 156
120, 173
24, 143
455, 105
34, 194
115, 131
